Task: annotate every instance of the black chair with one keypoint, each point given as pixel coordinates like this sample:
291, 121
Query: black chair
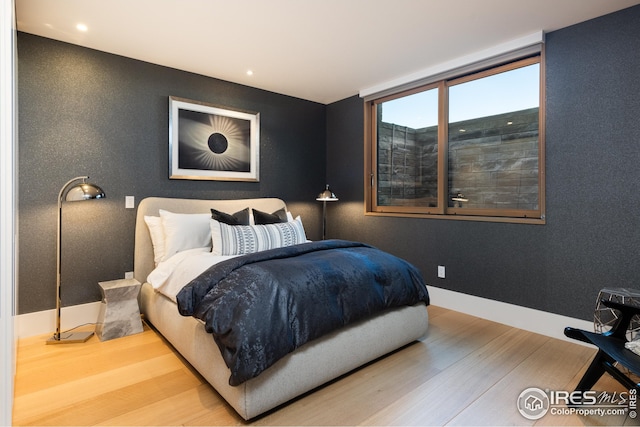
611, 349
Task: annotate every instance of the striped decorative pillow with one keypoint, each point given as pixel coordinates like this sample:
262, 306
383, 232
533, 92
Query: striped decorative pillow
246, 239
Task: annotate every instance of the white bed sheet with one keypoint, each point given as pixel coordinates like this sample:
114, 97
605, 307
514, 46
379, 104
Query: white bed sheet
170, 276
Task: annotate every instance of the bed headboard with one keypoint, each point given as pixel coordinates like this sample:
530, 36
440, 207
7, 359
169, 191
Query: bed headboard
143, 252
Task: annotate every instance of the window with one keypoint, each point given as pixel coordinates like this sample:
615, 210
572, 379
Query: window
470, 147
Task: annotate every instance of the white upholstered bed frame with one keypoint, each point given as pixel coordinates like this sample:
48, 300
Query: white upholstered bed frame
305, 369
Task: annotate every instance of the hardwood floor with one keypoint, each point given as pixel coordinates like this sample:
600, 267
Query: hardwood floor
466, 371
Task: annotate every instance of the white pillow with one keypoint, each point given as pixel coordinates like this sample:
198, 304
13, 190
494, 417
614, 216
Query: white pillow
245, 239
157, 236
184, 231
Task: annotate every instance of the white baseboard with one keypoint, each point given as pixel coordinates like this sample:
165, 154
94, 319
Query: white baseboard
537, 321
42, 322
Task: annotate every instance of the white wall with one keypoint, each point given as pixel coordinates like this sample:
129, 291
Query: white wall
7, 208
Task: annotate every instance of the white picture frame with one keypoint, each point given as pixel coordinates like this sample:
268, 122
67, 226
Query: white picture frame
209, 142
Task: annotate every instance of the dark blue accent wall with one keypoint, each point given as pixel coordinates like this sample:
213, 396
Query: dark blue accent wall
592, 236
86, 112
89, 112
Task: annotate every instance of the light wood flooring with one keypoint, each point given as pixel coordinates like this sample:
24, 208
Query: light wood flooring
466, 371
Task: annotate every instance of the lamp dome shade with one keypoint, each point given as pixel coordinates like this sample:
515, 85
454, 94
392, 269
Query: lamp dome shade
326, 195
84, 191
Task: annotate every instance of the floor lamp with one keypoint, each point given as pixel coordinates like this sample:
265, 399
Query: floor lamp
76, 189
325, 196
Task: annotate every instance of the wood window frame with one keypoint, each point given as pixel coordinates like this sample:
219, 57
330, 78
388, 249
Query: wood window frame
442, 211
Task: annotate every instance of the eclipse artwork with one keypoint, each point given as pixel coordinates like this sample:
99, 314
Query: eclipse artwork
212, 143
218, 143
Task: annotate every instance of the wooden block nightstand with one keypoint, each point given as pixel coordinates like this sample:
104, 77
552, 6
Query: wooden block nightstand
119, 312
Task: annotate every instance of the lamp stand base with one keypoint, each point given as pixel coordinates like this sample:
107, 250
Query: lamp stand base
74, 338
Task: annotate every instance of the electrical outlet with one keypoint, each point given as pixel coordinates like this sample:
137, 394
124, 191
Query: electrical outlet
441, 271
128, 275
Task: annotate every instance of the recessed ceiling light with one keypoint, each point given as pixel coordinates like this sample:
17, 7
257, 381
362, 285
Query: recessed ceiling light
249, 73
81, 27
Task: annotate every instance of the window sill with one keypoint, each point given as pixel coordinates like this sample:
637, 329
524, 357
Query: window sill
511, 220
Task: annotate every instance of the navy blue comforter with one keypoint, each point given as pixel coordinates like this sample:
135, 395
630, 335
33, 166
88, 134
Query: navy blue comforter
262, 306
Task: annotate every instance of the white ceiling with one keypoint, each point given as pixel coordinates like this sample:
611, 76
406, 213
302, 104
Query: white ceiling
319, 50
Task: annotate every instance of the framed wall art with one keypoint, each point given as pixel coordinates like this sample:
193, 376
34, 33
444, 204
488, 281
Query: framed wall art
212, 143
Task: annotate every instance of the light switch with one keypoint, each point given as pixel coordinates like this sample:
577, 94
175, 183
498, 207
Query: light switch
129, 202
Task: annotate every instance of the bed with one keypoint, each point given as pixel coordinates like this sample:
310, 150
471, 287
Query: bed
307, 367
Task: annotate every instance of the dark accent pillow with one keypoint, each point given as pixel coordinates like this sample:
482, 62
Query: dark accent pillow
260, 217
238, 218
